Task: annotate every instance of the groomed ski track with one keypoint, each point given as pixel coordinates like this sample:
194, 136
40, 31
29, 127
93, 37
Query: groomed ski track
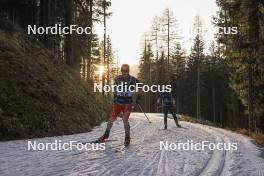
143, 157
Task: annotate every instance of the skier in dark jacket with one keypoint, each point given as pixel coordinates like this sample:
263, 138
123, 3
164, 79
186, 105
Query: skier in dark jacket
168, 102
122, 104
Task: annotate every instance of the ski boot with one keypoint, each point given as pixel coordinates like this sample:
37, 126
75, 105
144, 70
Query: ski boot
178, 125
165, 127
103, 138
127, 141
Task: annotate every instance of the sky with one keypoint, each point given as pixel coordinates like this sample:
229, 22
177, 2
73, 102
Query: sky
132, 18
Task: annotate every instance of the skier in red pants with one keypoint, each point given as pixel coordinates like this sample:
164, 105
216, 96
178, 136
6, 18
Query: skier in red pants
122, 104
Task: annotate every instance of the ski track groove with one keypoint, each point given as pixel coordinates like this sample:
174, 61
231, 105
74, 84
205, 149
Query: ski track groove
143, 157
212, 167
135, 142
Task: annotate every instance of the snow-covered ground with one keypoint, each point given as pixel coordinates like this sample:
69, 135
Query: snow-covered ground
143, 157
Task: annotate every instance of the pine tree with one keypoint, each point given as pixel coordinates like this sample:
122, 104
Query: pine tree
146, 62
155, 35
195, 62
242, 51
178, 64
169, 33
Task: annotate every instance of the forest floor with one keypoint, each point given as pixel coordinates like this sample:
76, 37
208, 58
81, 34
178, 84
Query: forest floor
142, 157
40, 96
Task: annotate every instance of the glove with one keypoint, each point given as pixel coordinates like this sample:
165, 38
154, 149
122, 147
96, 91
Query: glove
138, 99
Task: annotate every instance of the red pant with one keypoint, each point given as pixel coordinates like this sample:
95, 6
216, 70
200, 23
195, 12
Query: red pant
117, 108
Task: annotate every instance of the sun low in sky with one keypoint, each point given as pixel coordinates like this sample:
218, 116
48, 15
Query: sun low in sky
132, 18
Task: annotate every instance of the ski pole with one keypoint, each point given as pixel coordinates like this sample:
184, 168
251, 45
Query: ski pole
143, 112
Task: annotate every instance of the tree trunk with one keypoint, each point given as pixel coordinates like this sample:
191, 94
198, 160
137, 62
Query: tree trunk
250, 102
69, 38
168, 59
104, 59
45, 21
198, 113
90, 38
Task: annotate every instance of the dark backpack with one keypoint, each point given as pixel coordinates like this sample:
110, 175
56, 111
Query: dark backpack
167, 100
